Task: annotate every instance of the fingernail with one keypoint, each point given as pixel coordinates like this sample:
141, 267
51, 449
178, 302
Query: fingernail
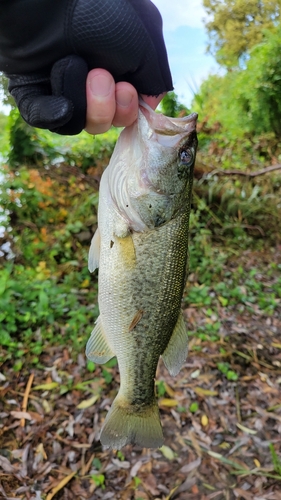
123, 98
100, 85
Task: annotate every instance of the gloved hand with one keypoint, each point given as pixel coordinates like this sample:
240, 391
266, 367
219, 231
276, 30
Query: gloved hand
47, 48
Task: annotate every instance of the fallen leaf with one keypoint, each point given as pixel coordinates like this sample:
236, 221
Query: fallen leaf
64, 481
204, 420
194, 489
169, 497
167, 452
204, 392
135, 468
150, 484
169, 390
274, 344
192, 465
246, 429
21, 414
243, 494
168, 402
46, 387
88, 402
6, 465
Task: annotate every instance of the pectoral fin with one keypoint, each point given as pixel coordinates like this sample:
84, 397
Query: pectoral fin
176, 351
126, 250
94, 252
98, 349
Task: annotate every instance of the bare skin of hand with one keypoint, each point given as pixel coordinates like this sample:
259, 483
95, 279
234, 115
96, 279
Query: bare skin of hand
110, 103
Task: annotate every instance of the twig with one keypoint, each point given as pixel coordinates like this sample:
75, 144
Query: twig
250, 358
87, 466
257, 472
237, 405
25, 397
245, 226
211, 213
272, 408
237, 470
263, 171
60, 485
70, 443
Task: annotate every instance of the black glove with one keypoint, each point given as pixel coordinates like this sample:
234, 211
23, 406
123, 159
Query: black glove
47, 48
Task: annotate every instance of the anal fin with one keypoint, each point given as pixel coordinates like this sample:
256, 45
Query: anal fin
97, 348
176, 351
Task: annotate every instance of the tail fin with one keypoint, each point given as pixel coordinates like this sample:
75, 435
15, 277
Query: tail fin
125, 424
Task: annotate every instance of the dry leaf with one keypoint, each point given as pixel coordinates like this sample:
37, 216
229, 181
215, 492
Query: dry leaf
168, 402
88, 402
192, 465
204, 420
245, 429
167, 452
204, 392
21, 414
62, 483
46, 387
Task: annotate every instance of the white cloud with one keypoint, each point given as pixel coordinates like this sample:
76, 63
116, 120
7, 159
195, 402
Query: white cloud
181, 13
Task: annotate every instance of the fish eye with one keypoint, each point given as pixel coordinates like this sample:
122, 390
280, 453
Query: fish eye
186, 157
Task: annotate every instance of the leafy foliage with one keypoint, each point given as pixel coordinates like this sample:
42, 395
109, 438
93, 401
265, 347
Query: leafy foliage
6, 98
234, 27
49, 216
246, 103
48, 300
49, 204
170, 106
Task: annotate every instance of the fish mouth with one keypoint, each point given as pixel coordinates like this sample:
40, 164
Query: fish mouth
167, 126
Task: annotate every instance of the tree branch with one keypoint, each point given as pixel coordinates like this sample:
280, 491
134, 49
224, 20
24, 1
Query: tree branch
246, 174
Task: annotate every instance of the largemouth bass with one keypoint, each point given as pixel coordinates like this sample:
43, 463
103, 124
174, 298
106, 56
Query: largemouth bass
141, 249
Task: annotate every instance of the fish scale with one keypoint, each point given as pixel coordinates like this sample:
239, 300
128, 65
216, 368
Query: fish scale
160, 299
142, 268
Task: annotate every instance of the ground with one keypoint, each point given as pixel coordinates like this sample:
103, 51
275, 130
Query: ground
221, 415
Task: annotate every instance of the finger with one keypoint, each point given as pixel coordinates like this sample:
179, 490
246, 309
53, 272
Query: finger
101, 106
153, 101
68, 80
127, 105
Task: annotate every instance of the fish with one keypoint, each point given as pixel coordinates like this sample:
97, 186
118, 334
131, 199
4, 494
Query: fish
141, 250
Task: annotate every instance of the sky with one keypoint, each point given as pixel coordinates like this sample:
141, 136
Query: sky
186, 42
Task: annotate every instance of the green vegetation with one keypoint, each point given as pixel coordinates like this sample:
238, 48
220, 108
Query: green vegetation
228, 389
49, 197
245, 103
234, 27
49, 200
275, 460
49, 204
